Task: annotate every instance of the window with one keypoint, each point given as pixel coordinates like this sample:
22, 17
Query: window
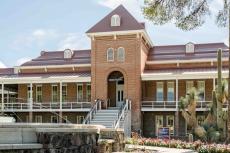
88, 92
200, 119
121, 54
110, 55
39, 93
54, 119
115, 20
170, 91
38, 119
160, 92
64, 92
170, 123
54, 93
201, 90
79, 92
80, 119
190, 48
189, 85
68, 53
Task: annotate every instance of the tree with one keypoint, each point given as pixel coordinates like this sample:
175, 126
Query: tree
187, 15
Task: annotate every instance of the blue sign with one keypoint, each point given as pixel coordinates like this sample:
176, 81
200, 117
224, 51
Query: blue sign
163, 133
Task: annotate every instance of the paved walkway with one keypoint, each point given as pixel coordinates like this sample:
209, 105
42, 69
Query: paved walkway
158, 149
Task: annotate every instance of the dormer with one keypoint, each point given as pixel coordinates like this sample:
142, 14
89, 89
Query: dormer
68, 53
115, 21
190, 48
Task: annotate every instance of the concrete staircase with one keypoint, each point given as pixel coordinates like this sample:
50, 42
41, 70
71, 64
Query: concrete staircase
106, 117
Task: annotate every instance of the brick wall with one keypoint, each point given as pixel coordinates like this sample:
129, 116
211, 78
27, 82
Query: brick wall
131, 68
47, 91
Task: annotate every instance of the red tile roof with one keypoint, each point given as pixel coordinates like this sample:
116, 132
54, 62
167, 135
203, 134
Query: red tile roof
57, 58
177, 52
128, 22
6, 71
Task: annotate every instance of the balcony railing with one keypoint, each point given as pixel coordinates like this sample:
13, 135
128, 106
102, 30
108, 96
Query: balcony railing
172, 105
48, 106
158, 105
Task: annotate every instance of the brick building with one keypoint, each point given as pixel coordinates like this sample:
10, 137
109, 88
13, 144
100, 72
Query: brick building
123, 63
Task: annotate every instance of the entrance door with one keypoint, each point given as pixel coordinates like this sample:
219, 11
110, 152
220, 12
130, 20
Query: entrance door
159, 123
120, 94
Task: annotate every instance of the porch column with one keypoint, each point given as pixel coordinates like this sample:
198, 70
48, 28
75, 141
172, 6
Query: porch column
177, 112
31, 103
60, 96
2, 99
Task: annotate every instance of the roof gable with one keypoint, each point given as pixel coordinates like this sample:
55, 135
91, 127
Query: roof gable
128, 22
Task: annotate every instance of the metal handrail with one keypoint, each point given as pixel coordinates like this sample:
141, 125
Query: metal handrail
93, 111
122, 112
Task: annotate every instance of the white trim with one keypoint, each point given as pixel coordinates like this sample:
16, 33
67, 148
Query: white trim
182, 76
25, 80
17, 68
185, 61
122, 33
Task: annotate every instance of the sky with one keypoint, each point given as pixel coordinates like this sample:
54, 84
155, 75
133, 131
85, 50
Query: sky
29, 27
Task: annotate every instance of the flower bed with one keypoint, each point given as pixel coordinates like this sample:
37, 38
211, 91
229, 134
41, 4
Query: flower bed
198, 146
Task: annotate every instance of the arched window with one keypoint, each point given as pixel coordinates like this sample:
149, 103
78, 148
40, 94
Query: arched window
121, 54
68, 53
115, 20
110, 54
190, 48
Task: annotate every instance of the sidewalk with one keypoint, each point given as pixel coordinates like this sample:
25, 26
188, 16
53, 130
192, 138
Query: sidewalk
158, 149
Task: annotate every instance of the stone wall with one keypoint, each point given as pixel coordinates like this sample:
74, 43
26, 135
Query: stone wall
59, 138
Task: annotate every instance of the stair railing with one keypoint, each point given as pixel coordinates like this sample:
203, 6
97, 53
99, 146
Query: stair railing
93, 111
121, 115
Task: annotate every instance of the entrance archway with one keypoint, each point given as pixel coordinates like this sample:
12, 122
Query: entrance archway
115, 89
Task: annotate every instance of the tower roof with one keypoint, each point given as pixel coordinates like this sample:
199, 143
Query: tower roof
127, 22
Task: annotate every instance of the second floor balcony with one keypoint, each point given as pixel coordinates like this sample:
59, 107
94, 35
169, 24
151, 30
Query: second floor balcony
21, 105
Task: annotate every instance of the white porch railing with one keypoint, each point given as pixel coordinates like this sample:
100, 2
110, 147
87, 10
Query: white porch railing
47, 106
159, 104
172, 105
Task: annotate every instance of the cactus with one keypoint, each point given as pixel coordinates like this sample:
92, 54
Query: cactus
215, 125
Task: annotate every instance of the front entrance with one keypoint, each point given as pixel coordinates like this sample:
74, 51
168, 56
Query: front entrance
115, 89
